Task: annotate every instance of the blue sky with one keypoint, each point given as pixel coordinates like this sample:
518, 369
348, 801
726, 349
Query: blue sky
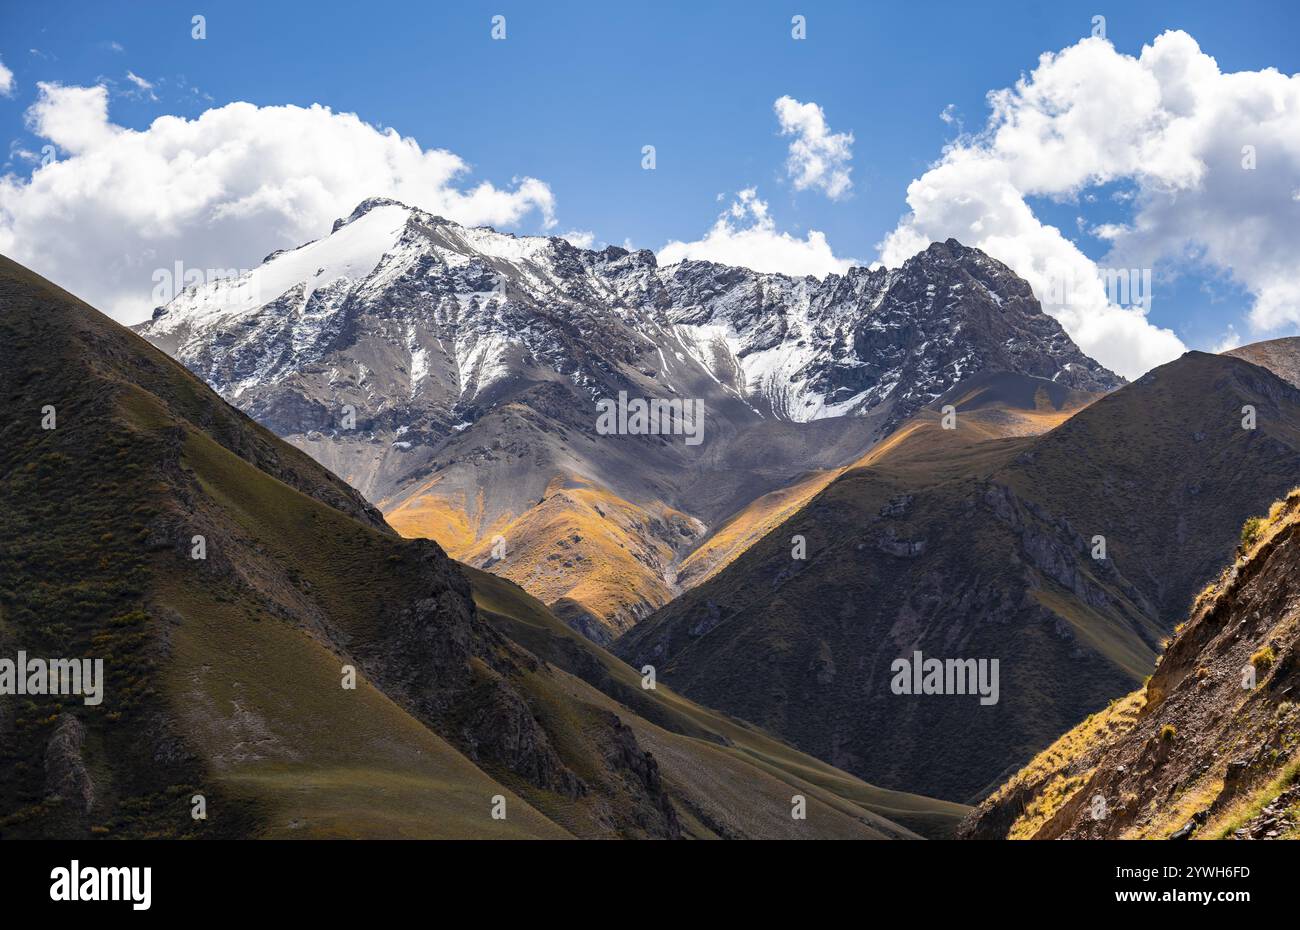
576, 90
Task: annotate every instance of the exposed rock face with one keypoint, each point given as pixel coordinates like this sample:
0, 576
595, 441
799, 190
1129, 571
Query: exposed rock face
657, 814
1053, 547
65, 769
426, 655
452, 375
891, 544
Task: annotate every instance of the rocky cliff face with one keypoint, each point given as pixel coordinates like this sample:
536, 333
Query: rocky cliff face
1210, 747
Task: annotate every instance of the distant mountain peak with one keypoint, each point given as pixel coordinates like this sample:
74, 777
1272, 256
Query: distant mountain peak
462, 313
1280, 356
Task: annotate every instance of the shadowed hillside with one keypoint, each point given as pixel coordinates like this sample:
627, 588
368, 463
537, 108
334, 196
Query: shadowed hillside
964, 545
228, 675
1210, 747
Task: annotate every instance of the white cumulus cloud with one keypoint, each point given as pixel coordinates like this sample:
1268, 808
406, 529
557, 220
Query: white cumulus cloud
581, 238
746, 235
6, 81
818, 158
1169, 122
218, 191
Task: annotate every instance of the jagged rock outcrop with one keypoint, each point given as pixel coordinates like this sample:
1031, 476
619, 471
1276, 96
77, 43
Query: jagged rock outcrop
66, 776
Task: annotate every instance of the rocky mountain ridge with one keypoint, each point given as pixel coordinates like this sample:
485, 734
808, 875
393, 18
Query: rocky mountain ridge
452, 375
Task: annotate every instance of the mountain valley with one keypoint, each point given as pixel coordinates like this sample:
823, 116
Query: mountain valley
965, 543
892, 462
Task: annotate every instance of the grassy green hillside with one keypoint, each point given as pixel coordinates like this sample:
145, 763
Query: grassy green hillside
223, 674
226, 674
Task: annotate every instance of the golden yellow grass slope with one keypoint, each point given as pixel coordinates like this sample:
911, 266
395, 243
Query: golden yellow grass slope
603, 563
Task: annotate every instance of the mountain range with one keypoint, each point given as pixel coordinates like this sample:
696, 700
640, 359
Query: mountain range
452, 374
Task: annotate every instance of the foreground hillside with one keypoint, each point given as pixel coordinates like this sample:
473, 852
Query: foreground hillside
451, 374
971, 543
1210, 747
227, 675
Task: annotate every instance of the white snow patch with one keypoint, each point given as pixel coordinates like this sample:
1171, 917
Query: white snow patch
352, 252
419, 367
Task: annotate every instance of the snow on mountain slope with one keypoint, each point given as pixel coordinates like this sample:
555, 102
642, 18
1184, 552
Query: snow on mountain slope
793, 348
346, 256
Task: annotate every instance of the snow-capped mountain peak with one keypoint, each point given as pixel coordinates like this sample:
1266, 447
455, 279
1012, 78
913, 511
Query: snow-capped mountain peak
350, 253
423, 324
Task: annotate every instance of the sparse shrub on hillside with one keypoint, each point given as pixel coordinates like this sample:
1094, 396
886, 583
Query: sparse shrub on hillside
1211, 590
1250, 532
1168, 732
1263, 659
